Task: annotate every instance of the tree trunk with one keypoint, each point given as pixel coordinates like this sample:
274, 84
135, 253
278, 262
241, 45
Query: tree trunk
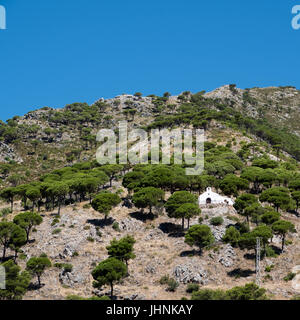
111, 290
12, 205
188, 222
4, 252
182, 224
59, 205
39, 280
16, 255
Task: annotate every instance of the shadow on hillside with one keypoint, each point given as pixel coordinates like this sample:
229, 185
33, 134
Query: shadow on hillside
35, 286
11, 257
190, 253
277, 250
238, 272
127, 203
294, 212
138, 215
173, 230
101, 222
250, 256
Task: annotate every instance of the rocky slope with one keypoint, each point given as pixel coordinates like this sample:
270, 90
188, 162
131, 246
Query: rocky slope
47, 139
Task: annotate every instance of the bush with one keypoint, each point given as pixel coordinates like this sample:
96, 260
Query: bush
90, 239
172, 285
290, 276
164, 279
4, 212
216, 221
56, 231
67, 267
269, 268
54, 222
269, 252
248, 292
115, 226
192, 287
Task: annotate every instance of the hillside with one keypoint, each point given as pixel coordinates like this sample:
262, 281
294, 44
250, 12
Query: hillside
252, 154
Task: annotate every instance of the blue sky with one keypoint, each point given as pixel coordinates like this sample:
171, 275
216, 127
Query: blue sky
59, 52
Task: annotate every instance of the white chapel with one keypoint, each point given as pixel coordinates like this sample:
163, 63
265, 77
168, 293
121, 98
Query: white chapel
210, 197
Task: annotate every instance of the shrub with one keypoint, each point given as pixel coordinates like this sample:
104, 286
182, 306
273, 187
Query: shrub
164, 279
90, 239
172, 285
192, 287
115, 226
216, 221
269, 252
67, 267
54, 222
56, 231
4, 212
269, 268
290, 276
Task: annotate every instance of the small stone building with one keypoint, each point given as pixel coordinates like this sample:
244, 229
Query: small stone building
210, 197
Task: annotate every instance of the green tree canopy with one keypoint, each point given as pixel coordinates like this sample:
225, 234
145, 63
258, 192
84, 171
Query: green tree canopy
242, 202
122, 249
187, 211
108, 272
176, 200
231, 184
282, 227
16, 282
8, 232
200, 236
37, 266
27, 220
104, 202
148, 197
9, 194
232, 236
279, 197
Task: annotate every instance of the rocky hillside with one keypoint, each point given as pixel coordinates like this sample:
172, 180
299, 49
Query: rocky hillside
252, 154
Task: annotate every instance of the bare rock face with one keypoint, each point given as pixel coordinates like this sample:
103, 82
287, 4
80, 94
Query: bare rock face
227, 256
7, 152
296, 280
71, 279
154, 234
129, 224
190, 272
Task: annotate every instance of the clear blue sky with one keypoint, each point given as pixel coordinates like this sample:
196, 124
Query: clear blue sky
58, 52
